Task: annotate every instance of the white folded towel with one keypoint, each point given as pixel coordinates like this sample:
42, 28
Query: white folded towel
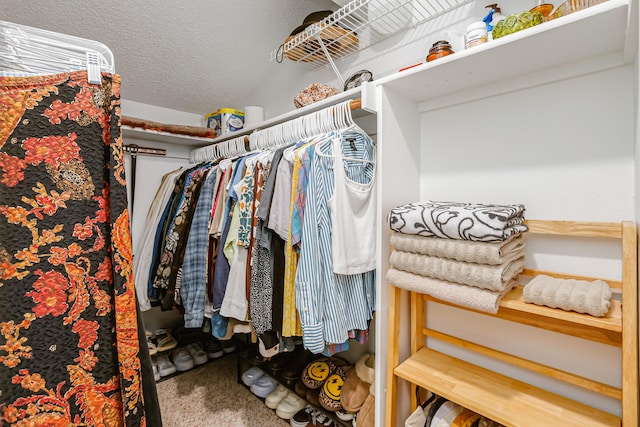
582, 296
461, 250
462, 295
491, 277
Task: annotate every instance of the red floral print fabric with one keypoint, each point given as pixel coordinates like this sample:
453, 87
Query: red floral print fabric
69, 350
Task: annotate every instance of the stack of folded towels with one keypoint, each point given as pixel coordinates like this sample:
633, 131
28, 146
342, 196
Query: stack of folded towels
463, 253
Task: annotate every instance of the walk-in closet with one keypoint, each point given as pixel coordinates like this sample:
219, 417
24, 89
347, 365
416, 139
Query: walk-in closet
341, 213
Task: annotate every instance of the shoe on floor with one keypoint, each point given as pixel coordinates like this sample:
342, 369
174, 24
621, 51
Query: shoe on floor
275, 397
228, 346
197, 353
165, 367
302, 418
344, 415
251, 375
150, 344
164, 340
213, 348
291, 404
263, 386
183, 360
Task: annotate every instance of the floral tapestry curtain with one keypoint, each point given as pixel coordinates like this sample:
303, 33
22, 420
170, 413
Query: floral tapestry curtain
69, 349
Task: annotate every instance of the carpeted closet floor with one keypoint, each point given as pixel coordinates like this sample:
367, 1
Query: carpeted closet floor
210, 396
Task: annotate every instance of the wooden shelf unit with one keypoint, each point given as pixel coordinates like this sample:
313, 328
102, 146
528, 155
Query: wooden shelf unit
510, 401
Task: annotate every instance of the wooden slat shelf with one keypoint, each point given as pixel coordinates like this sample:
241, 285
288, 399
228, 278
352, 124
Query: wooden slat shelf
606, 330
506, 399
501, 398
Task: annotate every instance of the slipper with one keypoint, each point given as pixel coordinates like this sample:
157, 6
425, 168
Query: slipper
164, 340
150, 344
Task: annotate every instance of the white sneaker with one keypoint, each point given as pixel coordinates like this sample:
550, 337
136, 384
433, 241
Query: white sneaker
165, 367
197, 353
275, 397
183, 360
291, 404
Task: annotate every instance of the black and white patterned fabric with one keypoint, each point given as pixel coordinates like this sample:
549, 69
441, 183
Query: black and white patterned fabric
460, 221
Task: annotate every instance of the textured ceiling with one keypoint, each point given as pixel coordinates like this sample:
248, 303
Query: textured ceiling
193, 56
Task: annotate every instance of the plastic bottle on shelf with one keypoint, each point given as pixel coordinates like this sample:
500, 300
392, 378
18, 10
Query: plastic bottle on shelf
476, 34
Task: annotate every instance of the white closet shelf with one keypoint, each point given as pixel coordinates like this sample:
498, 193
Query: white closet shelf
196, 142
171, 138
555, 50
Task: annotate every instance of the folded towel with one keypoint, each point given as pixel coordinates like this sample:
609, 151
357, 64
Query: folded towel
463, 295
462, 250
461, 221
582, 296
491, 277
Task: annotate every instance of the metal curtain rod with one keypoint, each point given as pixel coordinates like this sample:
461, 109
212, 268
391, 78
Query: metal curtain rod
134, 149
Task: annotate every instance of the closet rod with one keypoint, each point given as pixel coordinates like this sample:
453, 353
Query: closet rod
197, 131
354, 104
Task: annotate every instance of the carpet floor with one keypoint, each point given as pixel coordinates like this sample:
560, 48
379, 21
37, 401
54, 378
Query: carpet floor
210, 396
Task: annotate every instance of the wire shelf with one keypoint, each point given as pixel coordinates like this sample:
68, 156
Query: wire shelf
357, 26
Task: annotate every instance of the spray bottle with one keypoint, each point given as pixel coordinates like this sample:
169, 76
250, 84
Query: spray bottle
493, 17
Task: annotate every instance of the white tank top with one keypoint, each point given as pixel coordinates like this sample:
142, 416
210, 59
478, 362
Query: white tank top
353, 215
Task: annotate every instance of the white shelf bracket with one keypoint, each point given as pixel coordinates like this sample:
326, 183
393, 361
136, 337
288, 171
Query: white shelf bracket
330, 59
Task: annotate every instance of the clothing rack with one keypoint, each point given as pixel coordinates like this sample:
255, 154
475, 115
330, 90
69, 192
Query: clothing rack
326, 120
29, 51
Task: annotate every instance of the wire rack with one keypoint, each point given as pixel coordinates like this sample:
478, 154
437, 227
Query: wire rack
356, 26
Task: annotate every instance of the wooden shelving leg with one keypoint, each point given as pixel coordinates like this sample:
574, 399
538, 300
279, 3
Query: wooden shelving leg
393, 359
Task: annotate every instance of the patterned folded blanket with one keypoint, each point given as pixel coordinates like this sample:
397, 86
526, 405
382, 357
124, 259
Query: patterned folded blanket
461, 221
462, 295
462, 250
491, 277
582, 296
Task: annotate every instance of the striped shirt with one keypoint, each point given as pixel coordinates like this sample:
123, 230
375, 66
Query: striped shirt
329, 304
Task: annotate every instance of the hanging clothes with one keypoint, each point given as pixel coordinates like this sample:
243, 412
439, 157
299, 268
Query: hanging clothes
353, 206
330, 305
69, 348
144, 249
194, 267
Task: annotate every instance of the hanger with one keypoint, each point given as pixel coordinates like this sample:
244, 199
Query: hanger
32, 51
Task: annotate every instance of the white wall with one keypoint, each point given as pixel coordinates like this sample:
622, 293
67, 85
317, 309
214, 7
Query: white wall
160, 114
283, 81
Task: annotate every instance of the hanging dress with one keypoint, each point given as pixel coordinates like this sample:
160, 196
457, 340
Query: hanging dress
69, 348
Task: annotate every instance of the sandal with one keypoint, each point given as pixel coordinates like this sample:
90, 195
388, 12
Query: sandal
150, 344
164, 340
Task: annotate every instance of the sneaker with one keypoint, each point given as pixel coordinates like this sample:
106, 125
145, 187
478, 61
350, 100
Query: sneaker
213, 348
251, 375
291, 404
321, 420
263, 386
344, 415
275, 397
228, 346
165, 367
197, 353
302, 418
183, 360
